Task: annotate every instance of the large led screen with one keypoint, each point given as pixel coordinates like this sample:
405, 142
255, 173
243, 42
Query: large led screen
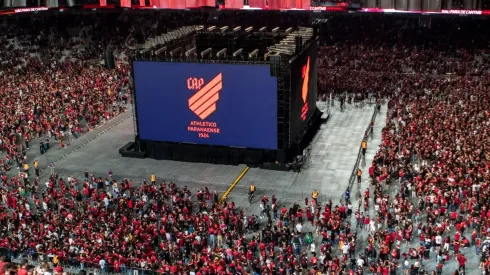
214, 104
303, 90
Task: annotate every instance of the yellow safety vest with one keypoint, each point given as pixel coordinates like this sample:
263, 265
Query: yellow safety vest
252, 188
153, 177
364, 145
359, 172
314, 194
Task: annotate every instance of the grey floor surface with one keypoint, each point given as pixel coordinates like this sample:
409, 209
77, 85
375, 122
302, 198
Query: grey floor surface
334, 153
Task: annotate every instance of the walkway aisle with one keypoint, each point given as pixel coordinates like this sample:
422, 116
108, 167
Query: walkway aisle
333, 154
373, 145
374, 141
372, 148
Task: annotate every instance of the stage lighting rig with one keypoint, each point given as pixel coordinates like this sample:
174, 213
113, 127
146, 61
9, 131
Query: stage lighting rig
162, 49
222, 52
144, 51
267, 55
287, 46
175, 51
238, 52
171, 36
286, 51
253, 54
206, 52
190, 52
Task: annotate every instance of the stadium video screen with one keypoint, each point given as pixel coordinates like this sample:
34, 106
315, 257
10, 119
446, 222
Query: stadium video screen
213, 104
303, 89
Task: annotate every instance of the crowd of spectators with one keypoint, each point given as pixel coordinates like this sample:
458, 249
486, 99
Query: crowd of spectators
432, 152
52, 82
430, 176
428, 196
115, 226
378, 56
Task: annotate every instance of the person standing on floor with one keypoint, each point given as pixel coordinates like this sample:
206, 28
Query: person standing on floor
314, 197
36, 167
364, 147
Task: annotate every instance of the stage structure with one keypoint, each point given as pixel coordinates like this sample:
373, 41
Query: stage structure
225, 94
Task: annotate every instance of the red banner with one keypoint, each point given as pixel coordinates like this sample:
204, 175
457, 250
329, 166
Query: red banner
162, 4
193, 3
126, 3
257, 3
200, 3
306, 4
234, 4
274, 4
142, 3
288, 4
176, 4
103, 3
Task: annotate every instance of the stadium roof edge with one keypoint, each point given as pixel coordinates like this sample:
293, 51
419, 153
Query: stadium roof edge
336, 9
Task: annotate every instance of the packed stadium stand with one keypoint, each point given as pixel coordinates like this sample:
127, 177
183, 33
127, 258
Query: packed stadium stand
423, 206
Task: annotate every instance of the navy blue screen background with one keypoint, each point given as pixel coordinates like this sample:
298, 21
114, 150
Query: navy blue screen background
246, 111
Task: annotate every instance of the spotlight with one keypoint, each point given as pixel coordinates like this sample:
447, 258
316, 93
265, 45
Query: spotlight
238, 52
253, 54
206, 52
174, 51
162, 49
221, 52
189, 52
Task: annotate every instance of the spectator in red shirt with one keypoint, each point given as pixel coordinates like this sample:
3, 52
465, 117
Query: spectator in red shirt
23, 269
